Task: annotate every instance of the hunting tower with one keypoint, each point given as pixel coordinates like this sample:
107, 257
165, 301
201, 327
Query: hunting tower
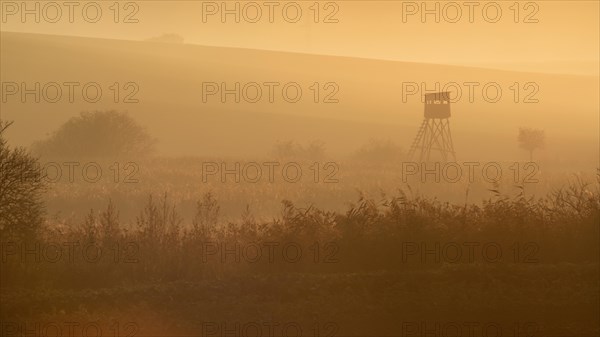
434, 133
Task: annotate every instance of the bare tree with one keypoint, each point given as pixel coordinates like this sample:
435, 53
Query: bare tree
531, 140
21, 188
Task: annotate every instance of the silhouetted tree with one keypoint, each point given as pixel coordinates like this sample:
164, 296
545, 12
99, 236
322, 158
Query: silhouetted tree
286, 149
101, 134
531, 140
314, 150
379, 150
21, 188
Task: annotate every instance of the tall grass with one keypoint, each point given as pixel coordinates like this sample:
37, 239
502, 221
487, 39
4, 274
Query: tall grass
371, 235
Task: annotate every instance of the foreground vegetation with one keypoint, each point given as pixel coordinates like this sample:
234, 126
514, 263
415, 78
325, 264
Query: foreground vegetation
360, 272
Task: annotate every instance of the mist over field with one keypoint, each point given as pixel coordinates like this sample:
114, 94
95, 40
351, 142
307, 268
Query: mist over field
375, 99
344, 168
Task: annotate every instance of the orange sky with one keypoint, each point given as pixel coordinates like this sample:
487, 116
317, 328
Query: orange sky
566, 30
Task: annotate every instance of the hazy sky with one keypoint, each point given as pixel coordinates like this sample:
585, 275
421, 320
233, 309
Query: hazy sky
565, 30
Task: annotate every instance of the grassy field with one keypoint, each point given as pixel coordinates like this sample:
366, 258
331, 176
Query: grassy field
397, 264
328, 183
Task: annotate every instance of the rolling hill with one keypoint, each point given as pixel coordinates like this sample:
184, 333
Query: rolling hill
169, 79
